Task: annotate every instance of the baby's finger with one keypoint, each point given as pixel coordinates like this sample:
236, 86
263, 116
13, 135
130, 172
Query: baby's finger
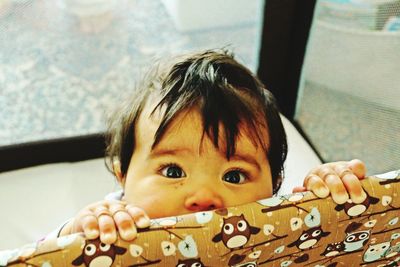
315, 184
108, 234
358, 168
139, 216
124, 222
126, 225
337, 188
354, 187
299, 189
90, 226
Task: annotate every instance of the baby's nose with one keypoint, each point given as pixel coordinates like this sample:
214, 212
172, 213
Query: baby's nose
203, 199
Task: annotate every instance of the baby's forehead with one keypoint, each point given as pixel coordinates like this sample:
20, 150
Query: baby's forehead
187, 127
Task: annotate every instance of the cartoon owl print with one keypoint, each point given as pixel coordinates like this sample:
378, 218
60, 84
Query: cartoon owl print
354, 209
356, 240
190, 263
95, 253
309, 238
394, 263
247, 264
392, 251
376, 251
333, 249
235, 232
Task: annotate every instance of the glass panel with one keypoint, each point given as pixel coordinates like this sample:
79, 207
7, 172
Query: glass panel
63, 63
349, 102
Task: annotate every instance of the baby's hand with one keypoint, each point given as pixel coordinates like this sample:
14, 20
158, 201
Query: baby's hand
105, 218
340, 179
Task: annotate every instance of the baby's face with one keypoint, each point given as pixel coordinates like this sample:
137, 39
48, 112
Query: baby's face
185, 174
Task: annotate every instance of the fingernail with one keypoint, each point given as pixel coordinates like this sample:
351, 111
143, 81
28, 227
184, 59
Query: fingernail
340, 199
361, 199
92, 233
129, 234
108, 238
363, 195
143, 222
323, 192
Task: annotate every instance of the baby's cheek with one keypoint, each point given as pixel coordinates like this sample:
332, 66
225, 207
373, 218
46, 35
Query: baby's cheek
158, 206
247, 196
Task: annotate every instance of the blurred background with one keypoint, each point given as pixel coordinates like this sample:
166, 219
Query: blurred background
63, 63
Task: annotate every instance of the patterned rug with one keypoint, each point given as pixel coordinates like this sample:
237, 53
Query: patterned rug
59, 74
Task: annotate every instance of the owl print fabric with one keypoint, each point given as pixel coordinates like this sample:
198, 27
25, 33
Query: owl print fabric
291, 230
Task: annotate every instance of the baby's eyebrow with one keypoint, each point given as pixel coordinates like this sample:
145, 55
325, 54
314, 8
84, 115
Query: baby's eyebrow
168, 152
247, 158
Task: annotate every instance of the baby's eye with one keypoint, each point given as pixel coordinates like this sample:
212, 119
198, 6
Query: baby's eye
235, 177
173, 171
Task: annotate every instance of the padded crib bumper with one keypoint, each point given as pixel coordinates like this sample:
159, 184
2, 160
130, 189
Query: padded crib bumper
291, 230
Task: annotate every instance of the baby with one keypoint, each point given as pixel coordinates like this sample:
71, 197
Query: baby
201, 133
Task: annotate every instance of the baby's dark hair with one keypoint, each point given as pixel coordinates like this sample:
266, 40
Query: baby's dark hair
226, 94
